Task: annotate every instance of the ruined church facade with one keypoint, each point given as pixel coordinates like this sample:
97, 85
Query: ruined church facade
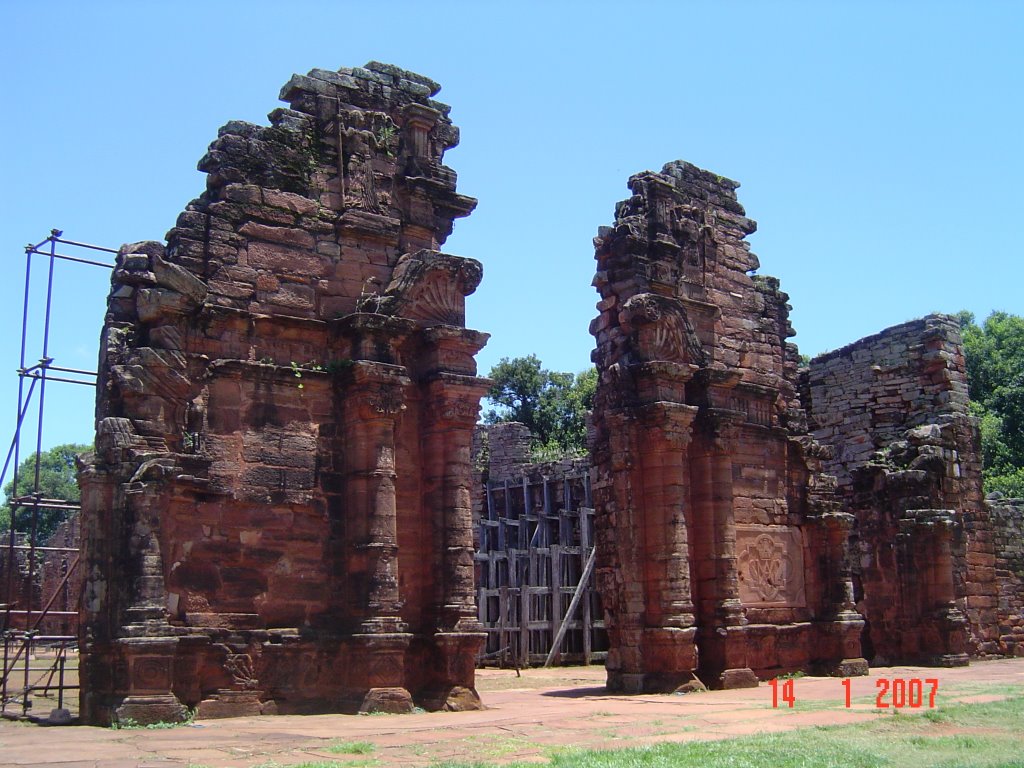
276, 516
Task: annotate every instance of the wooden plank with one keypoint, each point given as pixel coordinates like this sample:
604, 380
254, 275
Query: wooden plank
585, 547
524, 629
557, 628
524, 528
502, 609
581, 588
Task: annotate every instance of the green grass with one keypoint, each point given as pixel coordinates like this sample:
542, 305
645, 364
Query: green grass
956, 736
350, 748
497, 745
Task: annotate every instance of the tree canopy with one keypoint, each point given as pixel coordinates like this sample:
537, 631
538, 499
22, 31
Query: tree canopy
995, 367
57, 480
552, 404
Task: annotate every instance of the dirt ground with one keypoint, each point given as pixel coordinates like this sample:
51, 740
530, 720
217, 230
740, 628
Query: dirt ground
526, 718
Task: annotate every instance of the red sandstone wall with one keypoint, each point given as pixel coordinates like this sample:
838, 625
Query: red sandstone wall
705, 478
277, 517
894, 408
1008, 538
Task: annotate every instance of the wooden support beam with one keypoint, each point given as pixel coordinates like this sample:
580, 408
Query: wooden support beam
580, 590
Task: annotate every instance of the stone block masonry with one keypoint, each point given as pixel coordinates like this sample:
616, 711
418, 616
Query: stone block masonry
1008, 538
893, 407
277, 516
722, 550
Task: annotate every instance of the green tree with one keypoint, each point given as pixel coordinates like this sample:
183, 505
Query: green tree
57, 480
995, 368
551, 404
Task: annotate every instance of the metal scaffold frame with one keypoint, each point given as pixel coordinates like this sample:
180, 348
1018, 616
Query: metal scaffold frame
35, 660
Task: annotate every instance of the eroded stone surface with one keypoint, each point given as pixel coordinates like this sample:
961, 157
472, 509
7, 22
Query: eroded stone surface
722, 548
278, 506
906, 453
1008, 534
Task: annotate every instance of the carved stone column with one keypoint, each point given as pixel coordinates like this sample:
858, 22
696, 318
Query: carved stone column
670, 656
128, 651
723, 659
374, 398
673, 425
840, 650
927, 535
452, 404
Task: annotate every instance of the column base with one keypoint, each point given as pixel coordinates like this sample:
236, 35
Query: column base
629, 683
395, 701
230, 703
742, 677
149, 710
454, 698
669, 659
846, 668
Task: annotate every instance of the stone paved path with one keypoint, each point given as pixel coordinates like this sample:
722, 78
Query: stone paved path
526, 718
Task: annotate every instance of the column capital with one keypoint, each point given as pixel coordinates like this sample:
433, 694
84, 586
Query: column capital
673, 421
721, 427
376, 389
455, 398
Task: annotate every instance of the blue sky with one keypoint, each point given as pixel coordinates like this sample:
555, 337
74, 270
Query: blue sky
878, 145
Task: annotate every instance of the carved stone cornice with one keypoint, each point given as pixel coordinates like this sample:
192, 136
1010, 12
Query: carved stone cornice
374, 337
456, 336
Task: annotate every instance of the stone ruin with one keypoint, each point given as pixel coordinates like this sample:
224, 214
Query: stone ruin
756, 519
894, 409
277, 514
722, 547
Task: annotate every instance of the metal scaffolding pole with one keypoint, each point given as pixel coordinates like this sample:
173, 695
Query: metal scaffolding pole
24, 614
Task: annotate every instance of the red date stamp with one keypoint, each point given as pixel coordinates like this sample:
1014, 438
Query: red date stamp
787, 689
897, 693
901, 692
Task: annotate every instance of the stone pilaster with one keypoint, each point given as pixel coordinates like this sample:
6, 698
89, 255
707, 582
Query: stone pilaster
926, 537
669, 636
839, 645
374, 400
723, 644
451, 407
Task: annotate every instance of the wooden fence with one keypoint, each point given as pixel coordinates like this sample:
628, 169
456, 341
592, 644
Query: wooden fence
536, 538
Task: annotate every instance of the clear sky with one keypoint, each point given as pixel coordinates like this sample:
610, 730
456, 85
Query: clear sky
878, 145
